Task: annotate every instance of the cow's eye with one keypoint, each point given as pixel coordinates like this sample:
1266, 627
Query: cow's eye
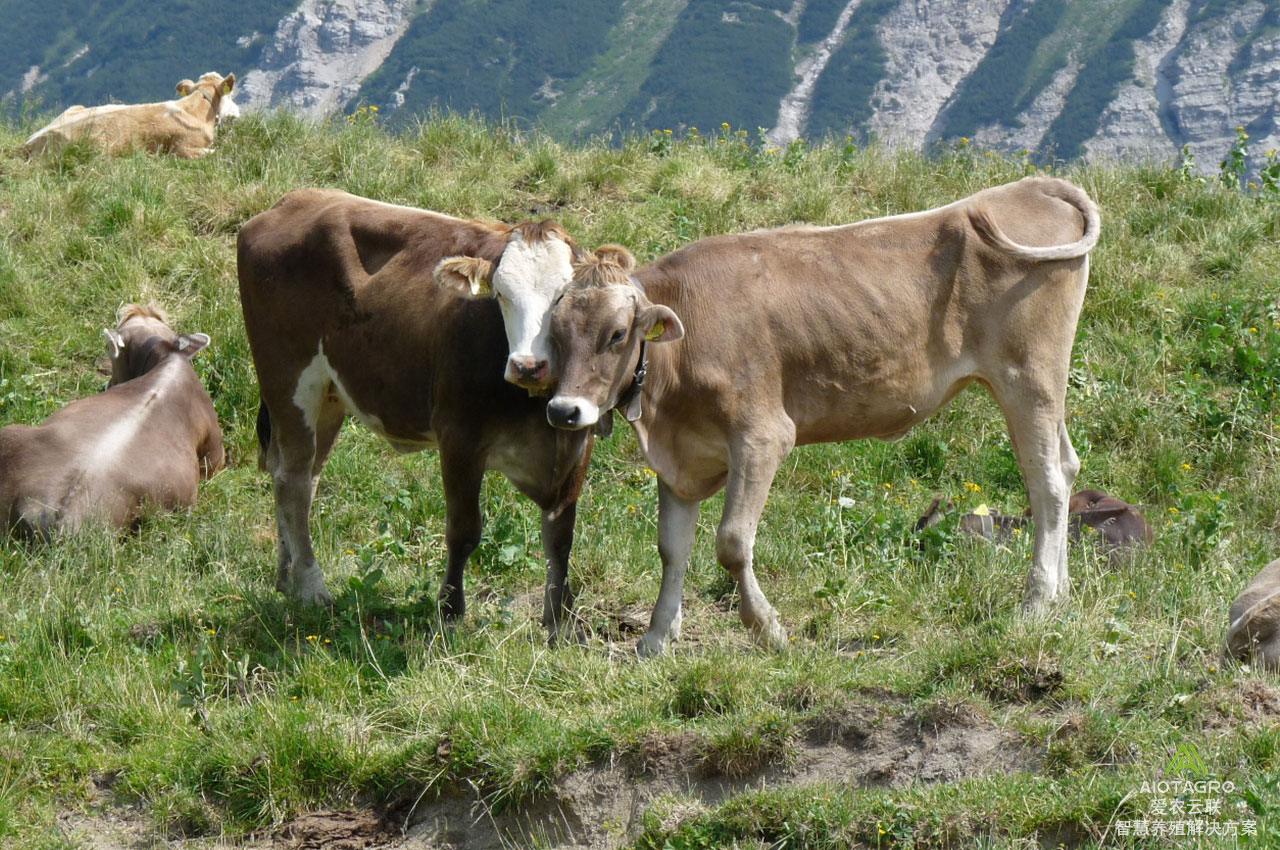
618, 336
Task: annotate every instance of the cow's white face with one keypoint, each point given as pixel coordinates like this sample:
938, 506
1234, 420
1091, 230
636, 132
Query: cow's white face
525, 283
228, 111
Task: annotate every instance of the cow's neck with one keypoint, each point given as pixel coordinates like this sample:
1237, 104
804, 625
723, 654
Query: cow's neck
200, 104
630, 399
150, 354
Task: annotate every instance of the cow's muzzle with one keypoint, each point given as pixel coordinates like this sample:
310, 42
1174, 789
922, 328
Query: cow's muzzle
528, 372
572, 413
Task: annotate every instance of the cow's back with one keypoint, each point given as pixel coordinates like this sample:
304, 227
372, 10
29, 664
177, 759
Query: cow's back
860, 330
105, 457
345, 283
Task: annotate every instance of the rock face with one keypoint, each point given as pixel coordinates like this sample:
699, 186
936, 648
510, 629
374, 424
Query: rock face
931, 48
320, 54
1027, 130
793, 113
1132, 126
1197, 75
1224, 79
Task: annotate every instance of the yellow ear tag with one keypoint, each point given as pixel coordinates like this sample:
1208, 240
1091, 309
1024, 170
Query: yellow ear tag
982, 510
226, 89
655, 332
479, 286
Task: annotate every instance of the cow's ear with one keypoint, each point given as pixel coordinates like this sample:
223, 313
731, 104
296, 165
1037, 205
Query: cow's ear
228, 84
186, 87
470, 277
617, 254
192, 344
115, 343
658, 323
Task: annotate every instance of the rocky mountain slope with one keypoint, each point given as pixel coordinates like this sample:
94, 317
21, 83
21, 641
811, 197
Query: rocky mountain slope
1098, 78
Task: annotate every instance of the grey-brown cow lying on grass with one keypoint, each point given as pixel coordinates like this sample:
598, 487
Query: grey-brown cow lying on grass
145, 441
1254, 630
778, 338
183, 127
343, 316
1120, 526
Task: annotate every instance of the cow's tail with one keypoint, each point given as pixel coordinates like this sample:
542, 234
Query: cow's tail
264, 435
985, 225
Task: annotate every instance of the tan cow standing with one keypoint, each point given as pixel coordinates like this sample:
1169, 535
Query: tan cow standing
1254, 631
145, 441
182, 127
820, 334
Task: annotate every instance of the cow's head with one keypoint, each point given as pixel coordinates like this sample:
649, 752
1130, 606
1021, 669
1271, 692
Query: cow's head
216, 89
597, 327
533, 270
142, 338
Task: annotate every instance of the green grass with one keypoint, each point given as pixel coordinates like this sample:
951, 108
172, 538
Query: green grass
162, 671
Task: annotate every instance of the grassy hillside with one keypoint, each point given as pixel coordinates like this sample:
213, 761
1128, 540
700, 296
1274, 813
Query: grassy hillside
157, 685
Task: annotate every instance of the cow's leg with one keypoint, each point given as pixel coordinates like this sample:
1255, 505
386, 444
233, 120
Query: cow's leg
1070, 469
1049, 467
557, 599
328, 424
677, 526
462, 475
752, 465
292, 461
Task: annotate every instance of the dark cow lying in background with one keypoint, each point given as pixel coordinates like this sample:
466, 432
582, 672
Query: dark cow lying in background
145, 441
1120, 526
1253, 633
343, 316
777, 338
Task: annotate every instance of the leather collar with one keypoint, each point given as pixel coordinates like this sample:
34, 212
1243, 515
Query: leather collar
629, 400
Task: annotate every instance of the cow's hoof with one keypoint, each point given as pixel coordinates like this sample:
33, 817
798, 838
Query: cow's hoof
566, 634
773, 636
650, 646
1037, 606
318, 598
453, 605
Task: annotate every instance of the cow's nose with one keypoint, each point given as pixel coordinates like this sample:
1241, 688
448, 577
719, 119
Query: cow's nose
529, 367
564, 413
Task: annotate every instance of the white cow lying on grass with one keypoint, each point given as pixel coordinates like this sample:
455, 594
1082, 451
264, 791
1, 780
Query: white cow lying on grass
183, 127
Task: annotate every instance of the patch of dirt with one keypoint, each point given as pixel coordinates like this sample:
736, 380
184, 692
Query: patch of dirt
874, 742
1021, 682
336, 830
862, 744
1249, 702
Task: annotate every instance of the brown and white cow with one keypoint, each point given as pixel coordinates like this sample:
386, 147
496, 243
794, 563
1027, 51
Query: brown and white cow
343, 316
1253, 633
146, 441
183, 127
768, 340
